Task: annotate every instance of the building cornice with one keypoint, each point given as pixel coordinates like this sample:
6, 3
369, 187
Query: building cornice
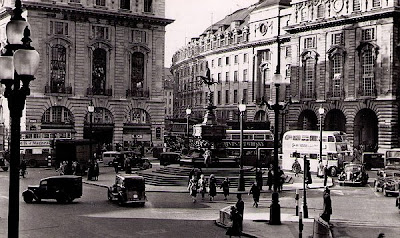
82, 13
343, 20
271, 41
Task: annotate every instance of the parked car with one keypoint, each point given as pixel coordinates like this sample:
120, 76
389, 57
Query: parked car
387, 181
128, 188
353, 174
167, 158
141, 163
63, 188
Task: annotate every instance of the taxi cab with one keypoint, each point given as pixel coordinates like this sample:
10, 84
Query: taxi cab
128, 188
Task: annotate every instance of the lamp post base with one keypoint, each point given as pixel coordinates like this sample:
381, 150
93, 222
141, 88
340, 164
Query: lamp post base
275, 210
241, 186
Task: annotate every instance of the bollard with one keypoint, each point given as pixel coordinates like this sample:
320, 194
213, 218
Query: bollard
297, 202
301, 225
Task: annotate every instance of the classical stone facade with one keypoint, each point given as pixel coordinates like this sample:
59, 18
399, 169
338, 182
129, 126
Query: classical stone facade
336, 54
110, 53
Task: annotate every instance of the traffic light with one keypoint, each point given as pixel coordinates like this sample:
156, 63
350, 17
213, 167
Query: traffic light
307, 174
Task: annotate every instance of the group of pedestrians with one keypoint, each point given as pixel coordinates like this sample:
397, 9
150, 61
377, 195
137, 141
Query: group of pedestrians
271, 178
199, 185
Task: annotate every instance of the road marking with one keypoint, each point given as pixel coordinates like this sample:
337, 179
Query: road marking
5, 197
377, 194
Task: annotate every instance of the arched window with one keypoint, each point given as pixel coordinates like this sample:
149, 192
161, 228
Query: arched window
367, 86
336, 75
99, 71
57, 115
309, 78
137, 71
58, 68
139, 116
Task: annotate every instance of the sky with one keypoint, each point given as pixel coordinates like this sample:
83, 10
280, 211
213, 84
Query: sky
192, 17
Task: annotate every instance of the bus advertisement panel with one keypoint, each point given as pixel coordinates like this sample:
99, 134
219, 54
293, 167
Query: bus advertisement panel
299, 144
252, 140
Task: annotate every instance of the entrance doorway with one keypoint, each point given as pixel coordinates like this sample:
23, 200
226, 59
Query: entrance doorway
307, 121
366, 130
335, 120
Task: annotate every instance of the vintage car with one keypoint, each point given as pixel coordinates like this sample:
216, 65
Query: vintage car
353, 174
128, 188
167, 158
387, 180
63, 188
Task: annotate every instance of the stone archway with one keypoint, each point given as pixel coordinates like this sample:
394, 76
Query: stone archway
102, 127
366, 130
335, 120
307, 120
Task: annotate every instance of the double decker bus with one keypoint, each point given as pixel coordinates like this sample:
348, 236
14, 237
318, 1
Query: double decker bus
299, 144
37, 146
258, 146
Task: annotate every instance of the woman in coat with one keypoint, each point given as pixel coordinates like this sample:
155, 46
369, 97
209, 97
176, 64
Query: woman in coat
255, 190
235, 216
225, 187
193, 186
202, 186
212, 187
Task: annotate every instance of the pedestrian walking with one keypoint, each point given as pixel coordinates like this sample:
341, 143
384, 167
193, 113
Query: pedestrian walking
96, 171
202, 186
259, 178
240, 208
270, 181
327, 211
191, 173
320, 169
225, 187
234, 230
115, 164
207, 157
193, 186
212, 187
255, 190
281, 177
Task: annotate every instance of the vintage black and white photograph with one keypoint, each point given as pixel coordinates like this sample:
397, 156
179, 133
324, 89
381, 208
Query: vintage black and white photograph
203, 119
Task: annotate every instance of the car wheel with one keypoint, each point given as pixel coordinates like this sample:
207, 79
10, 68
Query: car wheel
28, 197
32, 163
142, 204
333, 171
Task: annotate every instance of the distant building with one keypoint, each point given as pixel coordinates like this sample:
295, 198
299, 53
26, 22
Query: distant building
110, 53
342, 56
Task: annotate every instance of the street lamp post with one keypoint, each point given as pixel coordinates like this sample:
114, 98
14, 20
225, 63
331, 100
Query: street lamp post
321, 112
241, 186
91, 110
18, 64
188, 112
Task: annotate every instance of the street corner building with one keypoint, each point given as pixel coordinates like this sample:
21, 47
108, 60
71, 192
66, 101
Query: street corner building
340, 55
109, 53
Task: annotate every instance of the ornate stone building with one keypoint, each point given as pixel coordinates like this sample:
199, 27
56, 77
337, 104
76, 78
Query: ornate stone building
110, 53
336, 54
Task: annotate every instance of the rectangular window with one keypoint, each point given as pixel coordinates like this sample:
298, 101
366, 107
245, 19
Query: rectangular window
368, 34
376, 3
320, 11
288, 71
100, 32
58, 28
101, 3
219, 97
227, 97
236, 59
212, 63
337, 39
227, 60
75, 1
235, 96
227, 77
138, 36
356, 5
206, 98
245, 58
245, 75
288, 52
148, 5
219, 61
245, 95
219, 77
212, 77
125, 4
235, 76
309, 42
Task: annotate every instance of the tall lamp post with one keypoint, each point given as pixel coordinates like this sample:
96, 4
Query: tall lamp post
242, 110
188, 112
321, 112
18, 64
91, 110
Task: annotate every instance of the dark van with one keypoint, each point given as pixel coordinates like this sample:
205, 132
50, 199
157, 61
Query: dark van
167, 158
63, 188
